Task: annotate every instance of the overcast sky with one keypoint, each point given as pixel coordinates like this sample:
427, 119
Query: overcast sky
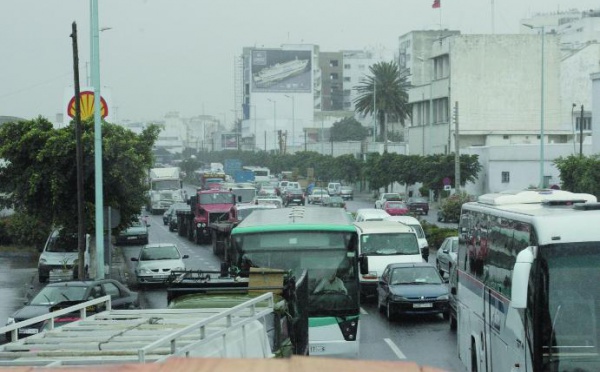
178, 55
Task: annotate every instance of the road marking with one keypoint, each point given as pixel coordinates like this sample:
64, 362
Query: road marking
363, 311
395, 348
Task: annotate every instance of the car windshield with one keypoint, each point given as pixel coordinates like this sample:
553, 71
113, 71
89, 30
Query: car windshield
415, 275
62, 242
168, 252
419, 200
389, 244
51, 295
391, 196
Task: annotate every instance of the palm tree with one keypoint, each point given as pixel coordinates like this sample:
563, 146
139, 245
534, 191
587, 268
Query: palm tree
389, 86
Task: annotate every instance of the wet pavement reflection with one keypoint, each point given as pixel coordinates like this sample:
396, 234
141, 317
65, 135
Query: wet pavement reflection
17, 275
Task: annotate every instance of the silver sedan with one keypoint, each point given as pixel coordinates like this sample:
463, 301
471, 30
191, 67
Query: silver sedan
446, 255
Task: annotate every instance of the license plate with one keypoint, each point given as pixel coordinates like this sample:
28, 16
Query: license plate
159, 276
132, 237
422, 305
317, 349
28, 331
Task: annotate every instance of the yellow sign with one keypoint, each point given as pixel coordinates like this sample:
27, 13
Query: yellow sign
86, 102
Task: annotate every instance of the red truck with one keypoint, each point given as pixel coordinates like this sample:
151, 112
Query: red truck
207, 207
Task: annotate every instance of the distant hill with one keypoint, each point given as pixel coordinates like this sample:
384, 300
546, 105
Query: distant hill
7, 119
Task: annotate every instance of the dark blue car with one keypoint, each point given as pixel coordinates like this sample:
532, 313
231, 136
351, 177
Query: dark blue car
412, 288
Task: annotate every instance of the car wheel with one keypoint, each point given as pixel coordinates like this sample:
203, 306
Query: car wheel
446, 315
388, 312
42, 278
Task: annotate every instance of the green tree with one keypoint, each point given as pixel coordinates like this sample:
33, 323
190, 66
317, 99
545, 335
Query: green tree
389, 86
347, 168
580, 173
348, 129
40, 173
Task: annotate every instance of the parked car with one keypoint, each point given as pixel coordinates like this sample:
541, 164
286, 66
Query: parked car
395, 208
418, 205
412, 288
318, 196
156, 261
173, 217
59, 295
171, 214
385, 196
294, 196
60, 254
136, 233
347, 193
269, 200
334, 201
446, 255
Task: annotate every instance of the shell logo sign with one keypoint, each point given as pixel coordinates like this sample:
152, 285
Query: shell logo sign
86, 101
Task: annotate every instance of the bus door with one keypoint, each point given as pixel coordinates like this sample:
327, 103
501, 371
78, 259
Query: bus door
498, 355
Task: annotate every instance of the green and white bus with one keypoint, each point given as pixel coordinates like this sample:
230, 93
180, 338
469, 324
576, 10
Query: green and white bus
322, 241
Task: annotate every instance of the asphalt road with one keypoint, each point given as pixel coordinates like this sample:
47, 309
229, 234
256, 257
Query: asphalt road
424, 340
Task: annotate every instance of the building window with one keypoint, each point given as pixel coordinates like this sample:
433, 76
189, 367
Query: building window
347, 66
505, 177
361, 67
505, 137
333, 76
333, 63
347, 78
587, 123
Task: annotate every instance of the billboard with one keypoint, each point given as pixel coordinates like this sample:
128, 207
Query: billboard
229, 141
281, 71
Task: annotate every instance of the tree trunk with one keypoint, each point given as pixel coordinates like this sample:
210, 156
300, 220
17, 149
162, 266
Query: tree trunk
385, 134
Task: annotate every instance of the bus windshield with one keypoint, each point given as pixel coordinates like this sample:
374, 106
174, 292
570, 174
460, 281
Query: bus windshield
166, 185
569, 318
388, 244
329, 257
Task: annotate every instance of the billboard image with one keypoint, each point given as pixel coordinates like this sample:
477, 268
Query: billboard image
281, 71
229, 141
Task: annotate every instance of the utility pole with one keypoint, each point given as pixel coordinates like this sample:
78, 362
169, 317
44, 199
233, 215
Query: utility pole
581, 132
374, 108
79, 161
456, 150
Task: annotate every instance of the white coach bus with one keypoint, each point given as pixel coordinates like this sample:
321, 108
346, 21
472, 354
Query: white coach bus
528, 290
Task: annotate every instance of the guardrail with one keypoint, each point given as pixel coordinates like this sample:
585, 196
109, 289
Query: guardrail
81, 307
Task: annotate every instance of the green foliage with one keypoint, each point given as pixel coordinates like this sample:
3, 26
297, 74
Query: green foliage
389, 86
451, 206
436, 235
348, 129
23, 230
580, 173
40, 176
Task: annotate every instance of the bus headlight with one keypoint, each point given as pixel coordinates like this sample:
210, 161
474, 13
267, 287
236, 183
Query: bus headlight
349, 328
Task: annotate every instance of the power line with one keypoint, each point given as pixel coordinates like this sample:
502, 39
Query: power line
34, 85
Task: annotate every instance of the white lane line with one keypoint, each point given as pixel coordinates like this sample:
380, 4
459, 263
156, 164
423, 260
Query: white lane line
395, 348
363, 311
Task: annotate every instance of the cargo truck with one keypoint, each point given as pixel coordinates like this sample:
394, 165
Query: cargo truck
166, 188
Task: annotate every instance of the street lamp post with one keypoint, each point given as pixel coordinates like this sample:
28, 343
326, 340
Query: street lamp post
293, 119
274, 122
541, 184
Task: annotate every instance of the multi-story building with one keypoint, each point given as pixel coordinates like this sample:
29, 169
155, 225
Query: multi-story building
332, 74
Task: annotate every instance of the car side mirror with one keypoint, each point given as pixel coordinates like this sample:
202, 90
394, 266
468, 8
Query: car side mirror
185, 256
134, 259
363, 262
445, 251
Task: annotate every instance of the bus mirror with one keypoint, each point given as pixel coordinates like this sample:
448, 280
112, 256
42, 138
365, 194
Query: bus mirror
363, 262
520, 278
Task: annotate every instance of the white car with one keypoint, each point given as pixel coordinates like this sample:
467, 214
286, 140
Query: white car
385, 196
156, 262
318, 196
446, 255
